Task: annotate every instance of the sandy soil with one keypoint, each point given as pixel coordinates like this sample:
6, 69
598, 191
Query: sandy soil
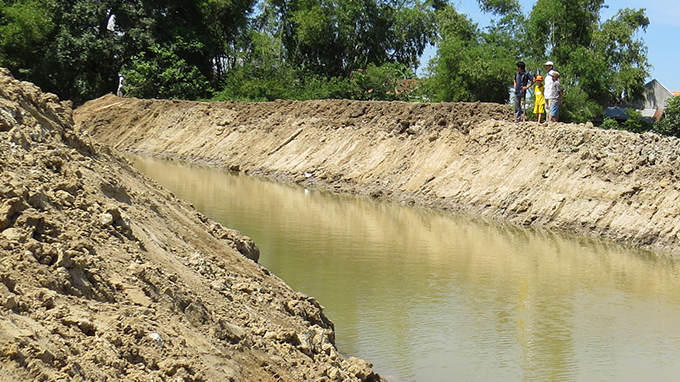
467, 157
105, 276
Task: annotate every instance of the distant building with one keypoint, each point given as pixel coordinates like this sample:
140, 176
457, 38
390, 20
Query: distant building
655, 100
656, 96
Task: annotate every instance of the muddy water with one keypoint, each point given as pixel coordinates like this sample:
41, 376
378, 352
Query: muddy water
426, 296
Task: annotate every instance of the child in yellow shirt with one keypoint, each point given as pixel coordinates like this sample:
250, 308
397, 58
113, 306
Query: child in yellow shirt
539, 98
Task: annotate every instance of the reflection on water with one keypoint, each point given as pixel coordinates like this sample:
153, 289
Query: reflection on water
429, 297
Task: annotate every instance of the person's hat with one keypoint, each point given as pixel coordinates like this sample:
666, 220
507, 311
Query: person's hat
539, 78
554, 73
549, 63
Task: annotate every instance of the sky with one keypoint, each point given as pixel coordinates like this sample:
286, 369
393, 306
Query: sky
662, 36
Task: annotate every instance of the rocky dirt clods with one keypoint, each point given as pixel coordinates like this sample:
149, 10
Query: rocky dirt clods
104, 275
466, 157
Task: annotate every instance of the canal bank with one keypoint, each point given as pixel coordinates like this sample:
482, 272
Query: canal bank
466, 157
105, 275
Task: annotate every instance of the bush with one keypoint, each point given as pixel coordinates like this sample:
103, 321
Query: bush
250, 83
384, 82
161, 73
316, 87
635, 122
577, 107
255, 84
610, 123
670, 123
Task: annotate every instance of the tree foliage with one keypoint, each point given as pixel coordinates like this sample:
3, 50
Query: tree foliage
24, 27
471, 65
556, 28
670, 123
361, 49
159, 72
76, 48
334, 38
624, 56
500, 7
62, 46
613, 67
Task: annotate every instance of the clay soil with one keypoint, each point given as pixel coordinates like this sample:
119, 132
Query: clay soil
106, 276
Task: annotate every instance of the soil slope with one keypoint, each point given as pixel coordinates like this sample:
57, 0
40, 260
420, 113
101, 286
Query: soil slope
465, 157
105, 276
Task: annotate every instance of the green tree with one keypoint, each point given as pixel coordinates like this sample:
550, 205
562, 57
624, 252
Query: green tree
82, 58
609, 123
670, 123
625, 56
319, 48
76, 48
558, 27
160, 73
414, 29
25, 27
613, 68
470, 65
500, 7
70, 49
333, 38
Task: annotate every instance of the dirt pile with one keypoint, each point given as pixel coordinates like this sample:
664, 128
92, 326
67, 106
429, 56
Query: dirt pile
104, 275
465, 157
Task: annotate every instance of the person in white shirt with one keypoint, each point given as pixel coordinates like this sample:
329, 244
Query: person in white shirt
548, 83
121, 86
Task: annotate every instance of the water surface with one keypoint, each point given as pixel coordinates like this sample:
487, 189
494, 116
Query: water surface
426, 296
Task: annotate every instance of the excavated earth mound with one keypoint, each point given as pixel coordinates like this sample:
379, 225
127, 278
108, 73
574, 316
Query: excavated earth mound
467, 157
105, 276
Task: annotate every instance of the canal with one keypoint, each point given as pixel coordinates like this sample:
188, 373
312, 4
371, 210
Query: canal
429, 296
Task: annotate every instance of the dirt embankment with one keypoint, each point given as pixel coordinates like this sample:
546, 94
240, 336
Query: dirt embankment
465, 157
104, 275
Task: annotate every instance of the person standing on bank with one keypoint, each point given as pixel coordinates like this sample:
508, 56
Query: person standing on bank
120, 91
539, 98
522, 79
556, 99
549, 66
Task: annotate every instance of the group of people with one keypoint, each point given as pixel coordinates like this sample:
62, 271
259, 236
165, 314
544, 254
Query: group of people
547, 93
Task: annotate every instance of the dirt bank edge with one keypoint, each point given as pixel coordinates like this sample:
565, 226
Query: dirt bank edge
465, 157
104, 275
